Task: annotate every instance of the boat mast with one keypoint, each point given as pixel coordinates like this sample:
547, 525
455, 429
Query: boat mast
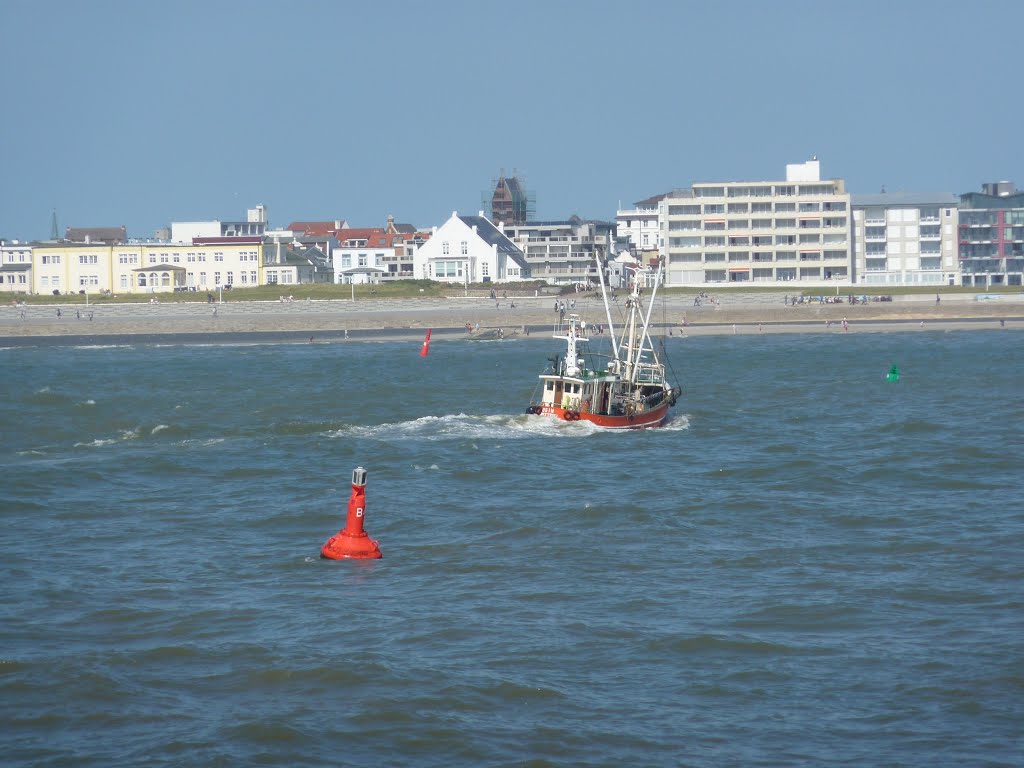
629, 337
607, 309
647, 320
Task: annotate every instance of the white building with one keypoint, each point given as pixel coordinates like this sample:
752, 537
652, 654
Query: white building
639, 225
362, 255
905, 239
255, 225
15, 267
758, 231
470, 249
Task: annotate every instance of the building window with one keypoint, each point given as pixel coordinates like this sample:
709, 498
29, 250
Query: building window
444, 248
252, 277
464, 248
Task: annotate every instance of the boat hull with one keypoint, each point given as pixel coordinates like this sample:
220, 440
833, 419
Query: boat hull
644, 420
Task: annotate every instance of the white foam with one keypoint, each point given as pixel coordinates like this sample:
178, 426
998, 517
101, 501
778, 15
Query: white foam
486, 427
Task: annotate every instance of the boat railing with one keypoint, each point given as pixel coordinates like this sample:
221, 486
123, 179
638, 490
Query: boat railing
650, 376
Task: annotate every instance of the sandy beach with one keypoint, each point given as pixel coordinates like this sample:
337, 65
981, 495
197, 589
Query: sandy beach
449, 317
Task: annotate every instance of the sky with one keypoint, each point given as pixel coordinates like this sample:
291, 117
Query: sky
118, 112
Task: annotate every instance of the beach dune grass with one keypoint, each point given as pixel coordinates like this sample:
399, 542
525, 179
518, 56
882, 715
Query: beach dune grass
397, 289
407, 289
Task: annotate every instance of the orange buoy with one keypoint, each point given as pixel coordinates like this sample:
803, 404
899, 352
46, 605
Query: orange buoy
352, 541
425, 349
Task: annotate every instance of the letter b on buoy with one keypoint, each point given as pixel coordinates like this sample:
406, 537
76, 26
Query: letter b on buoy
352, 541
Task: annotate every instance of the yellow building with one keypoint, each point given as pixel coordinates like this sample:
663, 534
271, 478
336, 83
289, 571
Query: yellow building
203, 265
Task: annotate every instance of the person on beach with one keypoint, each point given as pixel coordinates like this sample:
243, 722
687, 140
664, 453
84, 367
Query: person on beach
58, 313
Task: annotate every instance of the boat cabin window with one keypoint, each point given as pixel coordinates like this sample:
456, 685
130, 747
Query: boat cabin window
551, 385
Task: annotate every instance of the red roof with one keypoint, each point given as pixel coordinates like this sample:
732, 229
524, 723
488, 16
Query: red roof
314, 228
375, 237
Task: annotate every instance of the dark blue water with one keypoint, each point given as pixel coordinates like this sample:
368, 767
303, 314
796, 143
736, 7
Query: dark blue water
809, 566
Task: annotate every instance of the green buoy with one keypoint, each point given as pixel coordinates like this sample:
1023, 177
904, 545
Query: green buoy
893, 375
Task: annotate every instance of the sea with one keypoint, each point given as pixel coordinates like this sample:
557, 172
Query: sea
809, 565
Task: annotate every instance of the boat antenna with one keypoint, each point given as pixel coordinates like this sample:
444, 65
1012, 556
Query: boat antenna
607, 309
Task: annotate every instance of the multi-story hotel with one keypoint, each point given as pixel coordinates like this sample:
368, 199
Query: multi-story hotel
904, 238
758, 231
991, 236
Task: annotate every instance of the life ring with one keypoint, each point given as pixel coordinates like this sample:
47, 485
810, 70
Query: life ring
567, 415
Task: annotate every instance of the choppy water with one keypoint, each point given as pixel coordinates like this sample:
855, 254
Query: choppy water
809, 566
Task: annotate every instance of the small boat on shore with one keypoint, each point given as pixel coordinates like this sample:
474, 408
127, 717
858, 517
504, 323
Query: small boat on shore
627, 389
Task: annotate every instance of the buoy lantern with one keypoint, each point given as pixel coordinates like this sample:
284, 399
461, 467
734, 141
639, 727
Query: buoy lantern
352, 542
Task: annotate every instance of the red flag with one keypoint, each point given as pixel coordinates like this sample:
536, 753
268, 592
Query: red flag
426, 344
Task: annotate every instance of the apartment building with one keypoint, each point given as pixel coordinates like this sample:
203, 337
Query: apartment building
563, 252
991, 236
905, 239
758, 231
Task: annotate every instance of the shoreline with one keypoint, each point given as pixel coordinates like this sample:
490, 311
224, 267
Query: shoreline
398, 319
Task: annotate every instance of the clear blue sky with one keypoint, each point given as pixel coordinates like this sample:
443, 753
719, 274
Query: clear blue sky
143, 113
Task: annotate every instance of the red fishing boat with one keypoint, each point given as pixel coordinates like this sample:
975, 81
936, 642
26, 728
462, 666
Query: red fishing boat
624, 389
